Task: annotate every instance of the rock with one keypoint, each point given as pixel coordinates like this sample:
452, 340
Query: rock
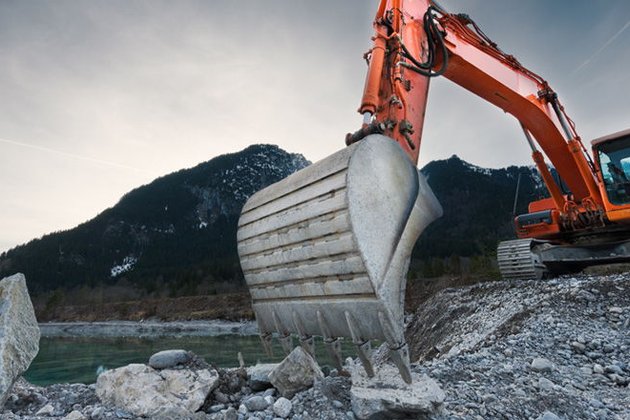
295, 373
545, 384
256, 403
220, 397
613, 369
548, 415
19, 333
577, 346
540, 364
583, 294
144, 391
97, 413
216, 408
46, 410
597, 368
121, 414
75, 415
595, 403
169, 358
259, 376
618, 379
282, 407
386, 395
594, 355
230, 414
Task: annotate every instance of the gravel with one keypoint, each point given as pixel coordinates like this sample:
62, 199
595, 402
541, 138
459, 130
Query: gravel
561, 350
510, 350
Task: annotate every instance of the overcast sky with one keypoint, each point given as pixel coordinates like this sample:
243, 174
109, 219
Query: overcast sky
99, 97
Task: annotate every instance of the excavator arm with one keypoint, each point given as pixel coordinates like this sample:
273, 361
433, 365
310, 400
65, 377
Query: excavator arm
417, 40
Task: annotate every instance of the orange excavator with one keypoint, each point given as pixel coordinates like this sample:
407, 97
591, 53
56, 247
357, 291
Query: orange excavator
325, 252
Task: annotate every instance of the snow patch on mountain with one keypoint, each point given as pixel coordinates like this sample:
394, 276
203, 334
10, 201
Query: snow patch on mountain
127, 265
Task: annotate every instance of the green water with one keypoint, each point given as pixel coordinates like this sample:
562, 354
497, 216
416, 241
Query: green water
72, 360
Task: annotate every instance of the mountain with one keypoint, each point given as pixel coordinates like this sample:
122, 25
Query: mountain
478, 204
177, 235
178, 232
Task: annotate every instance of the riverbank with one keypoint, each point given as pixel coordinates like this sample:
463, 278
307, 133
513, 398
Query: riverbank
148, 329
229, 306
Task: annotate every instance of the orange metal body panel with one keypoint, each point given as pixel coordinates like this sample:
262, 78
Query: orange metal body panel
541, 205
541, 230
619, 215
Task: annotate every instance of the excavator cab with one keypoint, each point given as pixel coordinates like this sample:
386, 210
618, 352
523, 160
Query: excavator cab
612, 154
614, 161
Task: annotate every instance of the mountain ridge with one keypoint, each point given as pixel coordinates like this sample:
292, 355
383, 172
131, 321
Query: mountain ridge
177, 234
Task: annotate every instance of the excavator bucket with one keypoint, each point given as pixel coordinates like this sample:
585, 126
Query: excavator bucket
325, 252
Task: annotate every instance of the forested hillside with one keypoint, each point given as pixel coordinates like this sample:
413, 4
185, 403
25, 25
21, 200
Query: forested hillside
177, 235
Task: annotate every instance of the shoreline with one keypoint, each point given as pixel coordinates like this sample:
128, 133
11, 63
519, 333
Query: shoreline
147, 329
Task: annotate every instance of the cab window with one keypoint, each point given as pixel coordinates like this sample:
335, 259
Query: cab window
614, 160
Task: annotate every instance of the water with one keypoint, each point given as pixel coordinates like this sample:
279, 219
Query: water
73, 360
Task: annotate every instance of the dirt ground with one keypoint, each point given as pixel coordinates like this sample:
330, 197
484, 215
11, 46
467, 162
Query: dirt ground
231, 306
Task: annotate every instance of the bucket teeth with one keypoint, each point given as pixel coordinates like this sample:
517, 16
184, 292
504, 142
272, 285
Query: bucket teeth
323, 326
306, 341
365, 354
284, 336
308, 344
332, 344
400, 357
364, 348
398, 349
354, 330
333, 347
265, 339
286, 342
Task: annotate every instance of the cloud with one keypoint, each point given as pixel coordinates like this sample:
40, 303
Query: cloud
602, 48
74, 156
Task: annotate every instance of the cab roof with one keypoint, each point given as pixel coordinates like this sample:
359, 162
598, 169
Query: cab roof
610, 137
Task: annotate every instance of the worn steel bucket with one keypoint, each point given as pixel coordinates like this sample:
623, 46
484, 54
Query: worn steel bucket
326, 251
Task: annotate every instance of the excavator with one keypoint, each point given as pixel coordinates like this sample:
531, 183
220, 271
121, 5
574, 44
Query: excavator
325, 252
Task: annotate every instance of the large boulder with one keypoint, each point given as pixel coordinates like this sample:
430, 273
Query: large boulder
19, 333
387, 396
144, 391
295, 373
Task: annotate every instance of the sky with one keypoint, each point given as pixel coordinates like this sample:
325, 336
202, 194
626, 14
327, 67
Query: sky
102, 96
